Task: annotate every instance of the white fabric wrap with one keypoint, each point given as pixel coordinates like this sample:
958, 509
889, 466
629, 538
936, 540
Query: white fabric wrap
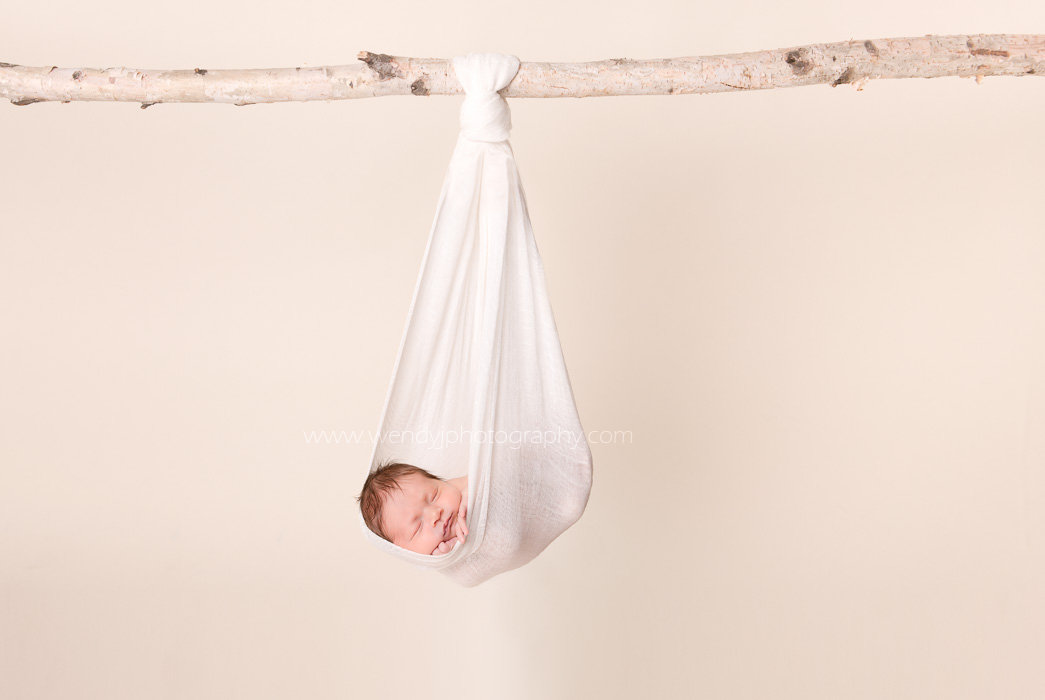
480, 385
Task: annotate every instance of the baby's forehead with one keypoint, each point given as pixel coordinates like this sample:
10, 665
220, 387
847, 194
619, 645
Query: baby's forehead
412, 482
407, 489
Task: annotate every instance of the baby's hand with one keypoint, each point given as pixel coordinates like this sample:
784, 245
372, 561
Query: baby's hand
445, 547
460, 531
460, 526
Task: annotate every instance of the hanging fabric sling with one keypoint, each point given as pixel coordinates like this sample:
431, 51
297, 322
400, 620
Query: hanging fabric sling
480, 385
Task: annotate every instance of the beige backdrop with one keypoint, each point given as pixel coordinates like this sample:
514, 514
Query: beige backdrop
815, 314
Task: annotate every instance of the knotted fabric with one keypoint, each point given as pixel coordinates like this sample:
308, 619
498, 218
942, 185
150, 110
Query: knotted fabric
485, 115
479, 386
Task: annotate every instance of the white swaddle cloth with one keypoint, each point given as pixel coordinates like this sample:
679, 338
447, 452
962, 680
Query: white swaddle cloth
480, 383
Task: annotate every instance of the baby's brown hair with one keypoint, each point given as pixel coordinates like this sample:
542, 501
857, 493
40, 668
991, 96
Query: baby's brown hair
378, 485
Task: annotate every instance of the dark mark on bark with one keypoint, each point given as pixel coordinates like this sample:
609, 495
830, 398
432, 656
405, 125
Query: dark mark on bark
799, 65
145, 105
847, 77
201, 71
417, 87
8, 65
989, 52
77, 74
382, 64
871, 48
1030, 71
619, 61
27, 101
53, 69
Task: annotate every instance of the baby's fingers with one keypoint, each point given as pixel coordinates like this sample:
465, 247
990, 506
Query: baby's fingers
461, 514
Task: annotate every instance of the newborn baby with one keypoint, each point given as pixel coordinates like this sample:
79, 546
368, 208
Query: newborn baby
414, 509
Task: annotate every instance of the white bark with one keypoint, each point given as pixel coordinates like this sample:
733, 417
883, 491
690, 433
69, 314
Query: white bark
854, 61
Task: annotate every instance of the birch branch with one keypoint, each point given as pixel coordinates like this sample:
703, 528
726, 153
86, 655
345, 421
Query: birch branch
839, 63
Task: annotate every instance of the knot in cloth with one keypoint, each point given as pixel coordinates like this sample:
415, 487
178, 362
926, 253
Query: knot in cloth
485, 115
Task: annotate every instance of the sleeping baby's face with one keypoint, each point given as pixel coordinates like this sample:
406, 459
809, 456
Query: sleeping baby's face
423, 514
